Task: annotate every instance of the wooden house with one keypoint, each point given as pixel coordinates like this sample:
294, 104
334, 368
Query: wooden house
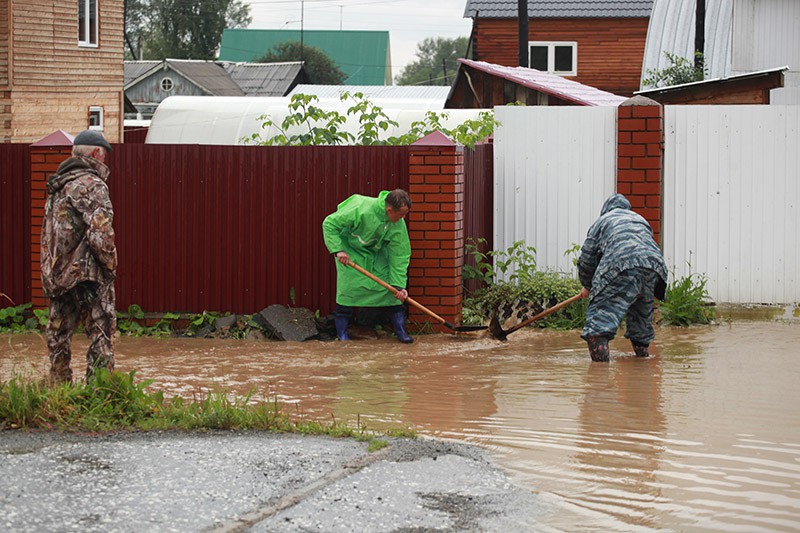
599, 43
60, 68
148, 83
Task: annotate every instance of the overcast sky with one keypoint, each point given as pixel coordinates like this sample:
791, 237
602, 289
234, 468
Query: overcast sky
408, 21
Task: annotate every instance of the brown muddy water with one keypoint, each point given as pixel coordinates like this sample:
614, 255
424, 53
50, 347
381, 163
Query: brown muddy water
705, 435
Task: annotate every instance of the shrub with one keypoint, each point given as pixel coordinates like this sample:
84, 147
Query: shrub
687, 302
524, 285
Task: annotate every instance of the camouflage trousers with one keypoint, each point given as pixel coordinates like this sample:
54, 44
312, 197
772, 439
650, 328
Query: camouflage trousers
629, 295
92, 305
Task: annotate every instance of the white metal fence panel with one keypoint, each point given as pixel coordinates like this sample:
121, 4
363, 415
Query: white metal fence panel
731, 199
553, 168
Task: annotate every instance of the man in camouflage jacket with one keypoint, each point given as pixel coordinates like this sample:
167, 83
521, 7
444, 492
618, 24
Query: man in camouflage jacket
79, 257
621, 269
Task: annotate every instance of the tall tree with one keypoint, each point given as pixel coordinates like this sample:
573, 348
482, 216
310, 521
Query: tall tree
321, 69
436, 62
180, 29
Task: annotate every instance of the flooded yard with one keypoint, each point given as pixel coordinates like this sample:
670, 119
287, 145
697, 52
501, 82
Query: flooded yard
705, 435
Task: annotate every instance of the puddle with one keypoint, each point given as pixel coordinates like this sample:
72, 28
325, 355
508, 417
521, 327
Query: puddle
703, 435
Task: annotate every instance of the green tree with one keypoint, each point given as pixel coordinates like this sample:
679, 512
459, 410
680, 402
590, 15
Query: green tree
321, 69
180, 29
436, 62
679, 71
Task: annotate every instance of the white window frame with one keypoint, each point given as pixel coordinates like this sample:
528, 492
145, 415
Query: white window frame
551, 56
166, 80
97, 111
88, 9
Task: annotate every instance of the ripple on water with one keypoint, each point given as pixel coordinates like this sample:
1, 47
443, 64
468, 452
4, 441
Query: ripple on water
702, 436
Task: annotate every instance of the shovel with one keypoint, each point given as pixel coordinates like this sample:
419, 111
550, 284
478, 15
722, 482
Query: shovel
413, 302
498, 333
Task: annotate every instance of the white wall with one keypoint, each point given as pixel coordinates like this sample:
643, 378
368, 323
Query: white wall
732, 199
731, 191
554, 167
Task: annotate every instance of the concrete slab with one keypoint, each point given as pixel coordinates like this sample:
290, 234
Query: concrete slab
250, 481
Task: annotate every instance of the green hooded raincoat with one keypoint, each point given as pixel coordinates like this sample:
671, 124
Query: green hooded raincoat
361, 228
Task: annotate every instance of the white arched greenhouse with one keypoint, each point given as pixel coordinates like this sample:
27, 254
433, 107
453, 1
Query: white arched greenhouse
229, 120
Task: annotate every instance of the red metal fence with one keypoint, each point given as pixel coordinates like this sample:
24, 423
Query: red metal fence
15, 225
225, 228
478, 201
235, 228
135, 134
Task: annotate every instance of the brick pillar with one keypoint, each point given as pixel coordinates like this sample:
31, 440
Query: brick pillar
46, 155
436, 228
640, 135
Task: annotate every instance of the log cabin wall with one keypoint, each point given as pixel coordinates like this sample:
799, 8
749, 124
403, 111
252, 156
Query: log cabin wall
5, 94
610, 50
47, 81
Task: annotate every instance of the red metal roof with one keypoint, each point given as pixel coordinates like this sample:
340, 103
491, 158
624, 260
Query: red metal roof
552, 84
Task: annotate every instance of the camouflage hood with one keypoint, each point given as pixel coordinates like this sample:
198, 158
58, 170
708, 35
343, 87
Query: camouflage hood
615, 201
74, 167
619, 240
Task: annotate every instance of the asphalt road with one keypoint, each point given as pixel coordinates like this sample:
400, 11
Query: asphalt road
251, 481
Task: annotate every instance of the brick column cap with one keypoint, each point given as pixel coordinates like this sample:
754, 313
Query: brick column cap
639, 100
435, 138
57, 138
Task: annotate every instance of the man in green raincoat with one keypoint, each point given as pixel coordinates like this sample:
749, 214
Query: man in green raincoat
371, 233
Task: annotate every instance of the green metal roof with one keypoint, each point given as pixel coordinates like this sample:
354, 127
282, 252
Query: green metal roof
362, 55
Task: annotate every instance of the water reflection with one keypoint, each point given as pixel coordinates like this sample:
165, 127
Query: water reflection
622, 429
703, 436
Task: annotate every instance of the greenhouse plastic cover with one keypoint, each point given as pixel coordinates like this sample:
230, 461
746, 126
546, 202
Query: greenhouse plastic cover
229, 120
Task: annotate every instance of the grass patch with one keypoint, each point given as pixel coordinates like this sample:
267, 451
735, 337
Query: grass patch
114, 401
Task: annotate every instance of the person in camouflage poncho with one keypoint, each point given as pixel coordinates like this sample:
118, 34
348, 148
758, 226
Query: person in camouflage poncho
621, 269
79, 257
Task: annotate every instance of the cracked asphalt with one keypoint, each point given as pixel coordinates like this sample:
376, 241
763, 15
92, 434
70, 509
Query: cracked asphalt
251, 481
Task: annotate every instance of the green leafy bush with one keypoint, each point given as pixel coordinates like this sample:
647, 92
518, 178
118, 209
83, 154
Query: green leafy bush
318, 126
687, 302
523, 284
12, 319
680, 71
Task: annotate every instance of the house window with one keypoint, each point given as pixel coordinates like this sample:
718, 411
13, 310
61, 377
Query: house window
96, 118
87, 23
167, 85
554, 57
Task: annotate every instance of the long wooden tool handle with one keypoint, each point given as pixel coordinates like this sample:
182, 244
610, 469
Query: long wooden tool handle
391, 289
548, 311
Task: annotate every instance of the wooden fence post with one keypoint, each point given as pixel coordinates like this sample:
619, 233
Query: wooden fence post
436, 227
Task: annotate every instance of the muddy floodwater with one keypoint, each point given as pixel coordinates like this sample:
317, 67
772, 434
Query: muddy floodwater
705, 435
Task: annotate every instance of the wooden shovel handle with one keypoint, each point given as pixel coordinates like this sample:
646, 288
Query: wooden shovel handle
546, 312
391, 289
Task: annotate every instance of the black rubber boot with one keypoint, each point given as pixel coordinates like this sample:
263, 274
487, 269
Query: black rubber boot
399, 325
341, 318
598, 348
641, 350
